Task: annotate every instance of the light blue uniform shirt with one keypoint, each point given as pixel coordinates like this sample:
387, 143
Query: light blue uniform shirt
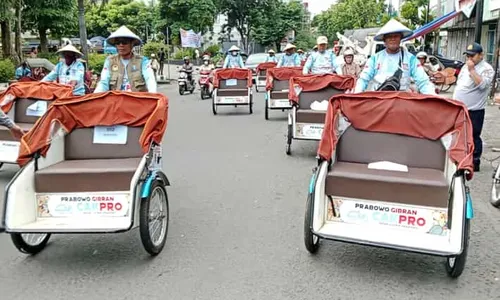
320, 63
272, 58
21, 72
233, 61
65, 74
292, 60
146, 71
383, 65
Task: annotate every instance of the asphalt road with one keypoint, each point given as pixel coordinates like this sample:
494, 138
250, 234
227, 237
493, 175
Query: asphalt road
237, 205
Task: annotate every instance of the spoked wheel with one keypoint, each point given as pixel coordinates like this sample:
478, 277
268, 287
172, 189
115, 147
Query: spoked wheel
311, 241
289, 140
153, 222
455, 265
30, 243
266, 110
495, 188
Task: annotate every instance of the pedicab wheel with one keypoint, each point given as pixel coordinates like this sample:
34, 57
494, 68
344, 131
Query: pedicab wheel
289, 140
266, 110
455, 265
214, 106
495, 189
30, 243
153, 226
256, 89
311, 241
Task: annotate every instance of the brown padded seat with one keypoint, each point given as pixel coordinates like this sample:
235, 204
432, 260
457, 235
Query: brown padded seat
279, 95
241, 84
232, 92
279, 85
424, 183
5, 133
87, 175
20, 107
310, 116
418, 186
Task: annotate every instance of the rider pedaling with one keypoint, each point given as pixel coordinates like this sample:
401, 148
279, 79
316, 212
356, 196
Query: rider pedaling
321, 61
394, 66
126, 71
233, 59
290, 59
271, 57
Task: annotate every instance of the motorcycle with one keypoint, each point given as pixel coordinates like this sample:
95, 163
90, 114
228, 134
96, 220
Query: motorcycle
185, 85
204, 83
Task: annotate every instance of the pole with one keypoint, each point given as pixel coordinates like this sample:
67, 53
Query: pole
427, 18
479, 20
495, 60
168, 56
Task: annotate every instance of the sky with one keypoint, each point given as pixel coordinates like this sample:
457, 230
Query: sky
317, 6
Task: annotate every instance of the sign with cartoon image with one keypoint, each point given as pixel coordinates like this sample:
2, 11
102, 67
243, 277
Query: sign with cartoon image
430, 221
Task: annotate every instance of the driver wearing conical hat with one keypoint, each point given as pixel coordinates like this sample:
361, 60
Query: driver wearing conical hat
126, 71
69, 70
271, 57
233, 59
290, 59
385, 63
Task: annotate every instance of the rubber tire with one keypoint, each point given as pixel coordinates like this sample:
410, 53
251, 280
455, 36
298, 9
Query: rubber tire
23, 247
289, 140
256, 88
214, 107
456, 270
202, 93
250, 105
494, 203
181, 90
1, 165
309, 237
266, 110
144, 218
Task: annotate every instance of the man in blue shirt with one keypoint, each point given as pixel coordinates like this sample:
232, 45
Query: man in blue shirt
385, 63
126, 71
321, 61
233, 59
23, 71
69, 71
290, 59
271, 57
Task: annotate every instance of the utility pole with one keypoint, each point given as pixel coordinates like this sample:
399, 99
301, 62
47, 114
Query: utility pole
495, 60
479, 20
436, 36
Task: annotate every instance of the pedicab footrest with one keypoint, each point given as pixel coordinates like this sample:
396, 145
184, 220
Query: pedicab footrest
87, 175
418, 186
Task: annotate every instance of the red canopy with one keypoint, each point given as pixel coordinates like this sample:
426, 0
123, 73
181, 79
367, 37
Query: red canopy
309, 83
265, 66
33, 89
110, 108
235, 73
421, 116
284, 73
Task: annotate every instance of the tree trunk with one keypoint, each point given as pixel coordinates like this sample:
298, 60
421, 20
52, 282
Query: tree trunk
6, 39
42, 33
83, 29
19, 47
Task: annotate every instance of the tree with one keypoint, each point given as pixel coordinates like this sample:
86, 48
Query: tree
243, 15
101, 20
56, 16
198, 15
285, 17
349, 14
83, 28
6, 16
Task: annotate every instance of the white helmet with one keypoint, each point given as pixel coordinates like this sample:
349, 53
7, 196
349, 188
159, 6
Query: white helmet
421, 54
348, 51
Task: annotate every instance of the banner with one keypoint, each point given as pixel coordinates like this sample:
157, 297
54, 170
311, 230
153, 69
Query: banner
466, 6
83, 204
190, 39
494, 5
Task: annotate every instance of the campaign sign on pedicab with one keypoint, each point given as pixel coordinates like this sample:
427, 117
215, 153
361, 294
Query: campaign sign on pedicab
9, 151
425, 220
116, 134
230, 100
37, 109
83, 204
312, 130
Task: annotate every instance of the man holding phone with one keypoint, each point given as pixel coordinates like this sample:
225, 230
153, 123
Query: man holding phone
473, 86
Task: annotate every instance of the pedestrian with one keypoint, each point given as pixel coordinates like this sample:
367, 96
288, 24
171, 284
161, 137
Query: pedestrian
383, 67
473, 86
154, 64
33, 52
161, 56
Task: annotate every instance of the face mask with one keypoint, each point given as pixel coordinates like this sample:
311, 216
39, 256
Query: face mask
234, 53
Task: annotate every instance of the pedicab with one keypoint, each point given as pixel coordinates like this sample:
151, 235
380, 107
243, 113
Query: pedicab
309, 95
261, 71
232, 87
91, 166
24, 103
392, 175
277, 82
39, 67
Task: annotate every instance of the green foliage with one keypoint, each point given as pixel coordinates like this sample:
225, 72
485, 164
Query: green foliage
7, 70
96, 62
58, 16
349, 14
284, 17
51, 56
150, 48
103, 20
213, 50
304, 40
189, 52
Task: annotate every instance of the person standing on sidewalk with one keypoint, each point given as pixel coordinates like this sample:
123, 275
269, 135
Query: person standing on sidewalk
473, 85
161, 56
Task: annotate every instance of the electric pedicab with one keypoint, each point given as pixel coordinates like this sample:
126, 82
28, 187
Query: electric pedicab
24, 103
309, 95
92, 166
277, 83
261, 71
232, 87
393, 175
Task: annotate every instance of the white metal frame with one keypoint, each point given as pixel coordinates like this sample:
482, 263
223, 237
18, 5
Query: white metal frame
292, 120
271, 103
16, 144
247, 99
